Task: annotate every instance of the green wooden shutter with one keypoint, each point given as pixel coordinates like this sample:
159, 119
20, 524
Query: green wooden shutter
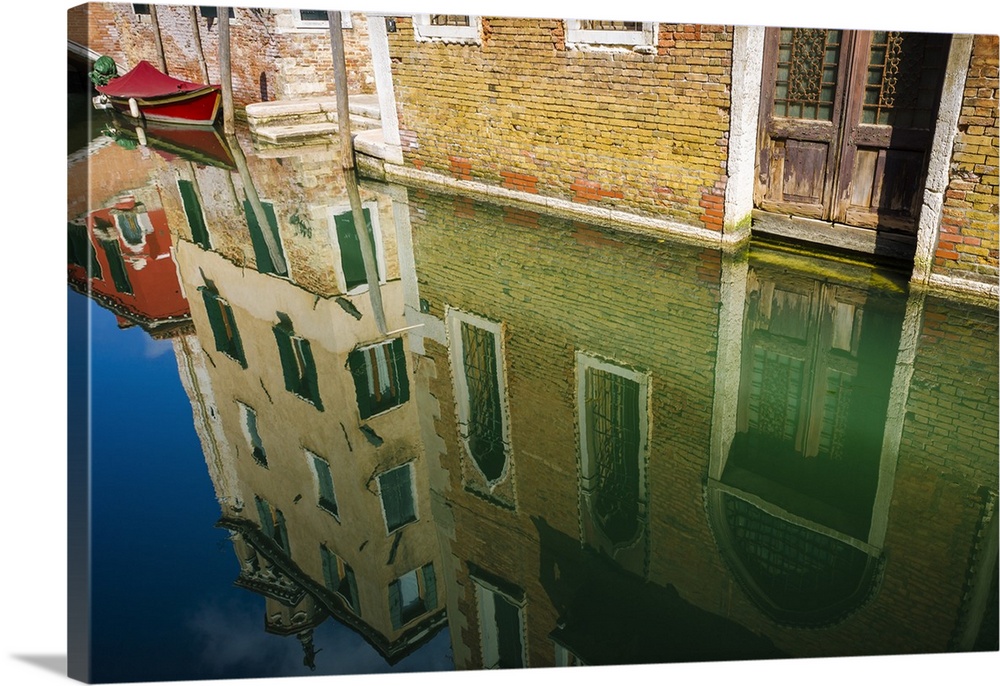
195, 216
395, 605
212, 308
399, 364
430, 587
330, 577
326, 495
266, 518
397, 497
283, 338
352, 588
118, 274
359, 370
264, 263
81, 250
508, 632
310, 379
351, 260
281, 532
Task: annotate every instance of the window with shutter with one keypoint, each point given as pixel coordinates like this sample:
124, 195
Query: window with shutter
412, 595
352, 263
297, 363
379, 373
223, 323
327, 499
339, 578
266, 262
501, 627
396, 491
116, 263
253, 438
272, 523
195, 214
81, 251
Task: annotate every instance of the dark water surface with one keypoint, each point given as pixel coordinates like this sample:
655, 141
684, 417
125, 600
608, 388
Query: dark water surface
477, 436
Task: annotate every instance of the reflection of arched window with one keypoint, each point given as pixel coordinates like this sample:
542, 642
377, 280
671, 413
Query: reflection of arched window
613, 429
477, 361
796, 574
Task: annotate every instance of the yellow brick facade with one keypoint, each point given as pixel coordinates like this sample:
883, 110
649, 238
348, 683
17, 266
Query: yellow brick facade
615, 128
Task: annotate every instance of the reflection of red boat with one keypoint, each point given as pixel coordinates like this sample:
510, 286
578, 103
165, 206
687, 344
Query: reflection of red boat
159, 97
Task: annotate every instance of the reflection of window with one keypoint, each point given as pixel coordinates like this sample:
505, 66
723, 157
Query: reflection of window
81, 251
412, 595
352, 262
396, 490
458, 28
297, 363
194, 213
324, 483
272, 523
339, 577
265, 260
223, 323
611, 33
379, 373
501, 627
477, 361
613, 436
249, 417
116, 264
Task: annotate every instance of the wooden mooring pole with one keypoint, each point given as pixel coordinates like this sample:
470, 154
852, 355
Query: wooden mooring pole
226, 68
340, 84
160, 56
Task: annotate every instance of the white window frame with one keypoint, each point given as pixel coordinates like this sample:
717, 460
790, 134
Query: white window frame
300, 23
454, 319
640, 41
413, 497
425, 31
489, 641
311, 458
379, 247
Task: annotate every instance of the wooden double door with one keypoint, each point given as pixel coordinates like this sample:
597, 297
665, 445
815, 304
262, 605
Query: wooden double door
846, 123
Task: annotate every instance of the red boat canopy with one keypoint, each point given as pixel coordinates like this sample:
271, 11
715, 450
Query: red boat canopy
146, 81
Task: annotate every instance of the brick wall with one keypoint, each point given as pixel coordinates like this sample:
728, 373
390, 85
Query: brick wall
272, 59
968, 244
558, 287
641, 132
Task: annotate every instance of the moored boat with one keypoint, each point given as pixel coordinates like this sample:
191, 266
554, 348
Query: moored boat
148, 93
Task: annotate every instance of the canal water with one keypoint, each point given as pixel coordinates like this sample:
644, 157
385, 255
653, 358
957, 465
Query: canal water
474, 436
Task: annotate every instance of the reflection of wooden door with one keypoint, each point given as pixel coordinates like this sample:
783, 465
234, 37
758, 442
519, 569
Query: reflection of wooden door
846, 124
801, 347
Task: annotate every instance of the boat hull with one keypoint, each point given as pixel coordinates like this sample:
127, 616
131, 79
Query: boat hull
199, 107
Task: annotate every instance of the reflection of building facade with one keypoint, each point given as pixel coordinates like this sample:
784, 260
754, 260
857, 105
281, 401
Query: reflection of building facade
303, 404
598, 481
119, 241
